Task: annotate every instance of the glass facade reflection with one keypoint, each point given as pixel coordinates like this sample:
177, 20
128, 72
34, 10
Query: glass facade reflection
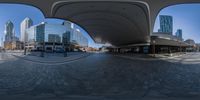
54, 30
36, 33
54, 38
55, 35
78, 37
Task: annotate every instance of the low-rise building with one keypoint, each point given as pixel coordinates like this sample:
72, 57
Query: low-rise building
164, 43
198, 47
191, 45
13, 45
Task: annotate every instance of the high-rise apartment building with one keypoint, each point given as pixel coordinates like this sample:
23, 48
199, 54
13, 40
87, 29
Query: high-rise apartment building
25, 24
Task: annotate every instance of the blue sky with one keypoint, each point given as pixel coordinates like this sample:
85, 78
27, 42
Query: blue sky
185, 17
18, 12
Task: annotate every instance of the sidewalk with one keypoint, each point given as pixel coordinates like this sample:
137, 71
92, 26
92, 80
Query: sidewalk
52, 59
150, 57
167, 55
133, 56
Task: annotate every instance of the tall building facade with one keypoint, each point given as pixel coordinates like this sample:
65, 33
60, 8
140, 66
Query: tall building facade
166, 24
70, 28
66, 37
36, 33
25, 24
76, 36
11, 41
179, 34
9, 31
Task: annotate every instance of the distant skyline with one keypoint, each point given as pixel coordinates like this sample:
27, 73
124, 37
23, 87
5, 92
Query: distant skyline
18, 12
185, 17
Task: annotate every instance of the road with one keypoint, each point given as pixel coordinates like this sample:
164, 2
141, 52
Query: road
101, 76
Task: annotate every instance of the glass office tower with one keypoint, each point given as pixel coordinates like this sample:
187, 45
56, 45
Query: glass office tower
166, 24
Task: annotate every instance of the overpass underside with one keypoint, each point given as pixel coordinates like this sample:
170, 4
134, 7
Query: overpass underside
117, 23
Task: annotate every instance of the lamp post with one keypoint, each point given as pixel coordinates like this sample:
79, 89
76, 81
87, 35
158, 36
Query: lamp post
42, 51
154, 47
65, 51
24, 48
43, 47
41, 29
64, 43
180, 47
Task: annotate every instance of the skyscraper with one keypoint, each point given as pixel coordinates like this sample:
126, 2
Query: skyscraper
179, 34
11, 41
25, 24
166, 24
9, 31
40, 32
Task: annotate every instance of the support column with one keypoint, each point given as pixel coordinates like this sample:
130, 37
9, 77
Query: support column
118, 50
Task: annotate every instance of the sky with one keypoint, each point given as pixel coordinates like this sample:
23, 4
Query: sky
18, 12
185, 17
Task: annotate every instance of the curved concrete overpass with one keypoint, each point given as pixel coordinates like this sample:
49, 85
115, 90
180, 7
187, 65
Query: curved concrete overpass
119, 22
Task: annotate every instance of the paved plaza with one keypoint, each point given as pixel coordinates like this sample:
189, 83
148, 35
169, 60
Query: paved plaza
101, 76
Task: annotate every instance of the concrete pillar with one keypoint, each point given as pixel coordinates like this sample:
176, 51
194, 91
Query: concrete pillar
118, 50
169, 49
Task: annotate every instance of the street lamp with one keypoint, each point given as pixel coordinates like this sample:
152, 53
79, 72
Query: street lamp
154, 48
43, 47
180, 47
24, 48
65, 51
42, 51
41, 28
64, 43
